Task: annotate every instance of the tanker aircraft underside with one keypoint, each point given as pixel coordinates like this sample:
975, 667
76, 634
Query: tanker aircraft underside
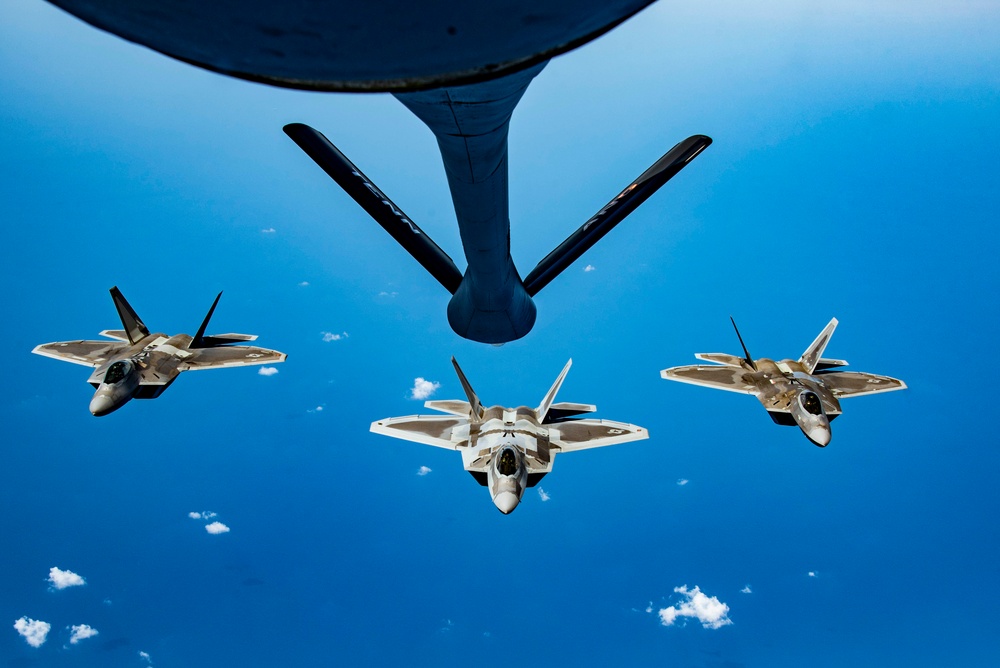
509, 449
804, 392
138, 365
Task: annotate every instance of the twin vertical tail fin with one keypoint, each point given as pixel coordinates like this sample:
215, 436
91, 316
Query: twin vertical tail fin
135, 330
747, 358
199, 339
475, 407
811, 357
543, 408
614, 212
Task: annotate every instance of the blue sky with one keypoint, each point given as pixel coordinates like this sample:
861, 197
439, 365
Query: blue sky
854, 174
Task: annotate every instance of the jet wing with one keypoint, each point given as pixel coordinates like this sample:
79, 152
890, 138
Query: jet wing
228, 356
584, 434
844, 384
720, 377
438, 430
86, 353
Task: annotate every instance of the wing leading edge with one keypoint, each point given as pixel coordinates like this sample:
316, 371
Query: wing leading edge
729, 378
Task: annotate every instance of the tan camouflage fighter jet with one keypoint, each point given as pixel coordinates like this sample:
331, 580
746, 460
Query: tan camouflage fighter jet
806, 392
509, 449
141, 365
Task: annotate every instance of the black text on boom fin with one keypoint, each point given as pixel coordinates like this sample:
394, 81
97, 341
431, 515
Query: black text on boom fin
614, 212
376, 204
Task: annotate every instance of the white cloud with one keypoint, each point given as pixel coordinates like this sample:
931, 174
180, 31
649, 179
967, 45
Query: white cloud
422, 389
216, 528
304, 284
146, 657
813, 574
649, 608
682, 481
267, 371
330, 336
269, 230
33, 631
589, 268
746, 590
60, 579
81, 632
203, 515
423, 470
543, 495
709, 610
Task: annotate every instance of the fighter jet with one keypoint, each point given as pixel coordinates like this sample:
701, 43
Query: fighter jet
140, 365
509, 449
806, 392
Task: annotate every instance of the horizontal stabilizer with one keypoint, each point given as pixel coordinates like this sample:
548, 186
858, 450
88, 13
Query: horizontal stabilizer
116, 334
564, 410
721, 358
825, 363
134, 329
381, 208
614, 212
450, 406
222, 339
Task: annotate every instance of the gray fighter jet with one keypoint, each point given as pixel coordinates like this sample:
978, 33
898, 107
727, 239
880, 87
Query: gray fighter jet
509, 449
806, 392
141, 365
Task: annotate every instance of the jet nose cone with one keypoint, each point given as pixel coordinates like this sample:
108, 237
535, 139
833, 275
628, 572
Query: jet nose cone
505, 502
820, 436
101, 405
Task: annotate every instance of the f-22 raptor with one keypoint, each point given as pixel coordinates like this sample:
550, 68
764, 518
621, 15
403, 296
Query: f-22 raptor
509, 449
140, 365
806, 392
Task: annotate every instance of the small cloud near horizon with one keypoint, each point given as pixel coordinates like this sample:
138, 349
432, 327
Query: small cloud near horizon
81, 632
267, 371
304, 284
268, 230
423, 470
145, 656
813, 574
216, 528
60, 579
34, 632
423, 389
746, 590
203, 515
709, 610
543, 495
682, 481
330, 336
589, 268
